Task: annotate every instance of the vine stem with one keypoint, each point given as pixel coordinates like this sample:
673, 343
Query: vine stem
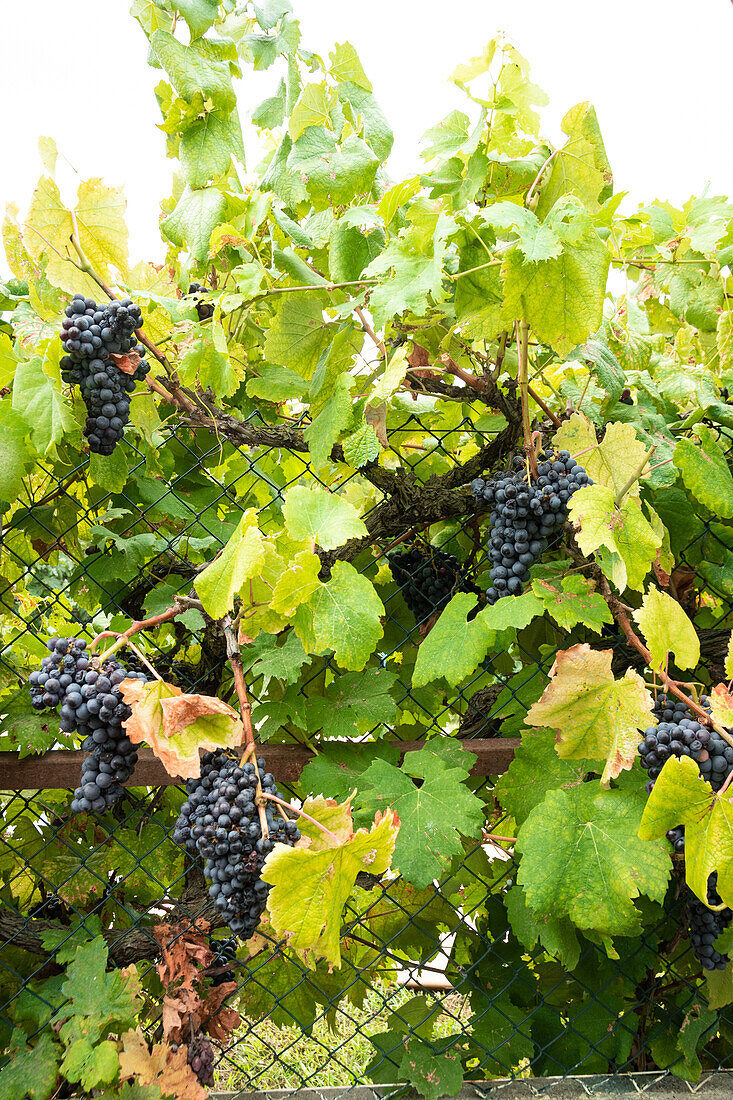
301, 813
234, 654
379, 344
182, 603
522, 344
635, 476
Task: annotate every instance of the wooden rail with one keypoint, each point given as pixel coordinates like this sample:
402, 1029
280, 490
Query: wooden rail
61, 768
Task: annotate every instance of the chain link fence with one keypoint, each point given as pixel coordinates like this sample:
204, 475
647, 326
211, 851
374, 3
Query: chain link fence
439, 968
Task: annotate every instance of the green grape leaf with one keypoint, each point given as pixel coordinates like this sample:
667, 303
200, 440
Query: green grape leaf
207, 364
241, 558
682, 797
346, 615
354, 703
581, 166
573, 601
38, 399
582, 859
413, 261
603, 365
191, 73
705, 472
333, 174
718, 988
298, 334
31, 1072
276, 384
194, 218
271, 660
16, 454
596, 716
511, 612
199, 14
361, 447
208, 145
297, 584
101, 997
91, 1061
455, 645
432, 1074
479, 295
338, 769
396, 196
556, 935
432, 816
622, 529
728, 666
667, 629
334, 416
535, 770
323, 518
535, 240
312, 109
311, 884
30, 731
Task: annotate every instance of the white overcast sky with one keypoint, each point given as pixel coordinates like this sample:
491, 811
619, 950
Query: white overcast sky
657, 71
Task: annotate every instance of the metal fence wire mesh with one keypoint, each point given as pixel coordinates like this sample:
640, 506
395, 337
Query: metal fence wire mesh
443, 966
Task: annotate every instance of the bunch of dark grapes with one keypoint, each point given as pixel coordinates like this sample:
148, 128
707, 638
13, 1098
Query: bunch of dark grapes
201, 1058
705, 926
91, 335
205, 310
91, 705
224, 952
676, 838
679, 733
525, 515
428, 580
220, 821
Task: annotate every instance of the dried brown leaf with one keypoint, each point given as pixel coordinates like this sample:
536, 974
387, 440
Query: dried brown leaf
159, 1066
128, 363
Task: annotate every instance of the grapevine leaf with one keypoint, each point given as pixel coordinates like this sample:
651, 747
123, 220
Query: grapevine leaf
728, 667
159, 1066
622, 529
705, 472
667, 629
298, 583
581, 166
596, 717
361, 447
432, 1074
176, 726
41, 404
298, 335
535, 241
572, 601
99, 996
511, 612
345, 65
613, 461
199, 14
312, 109
354, 703
581, 859
721, 705
31, 1071
192, 73
346, 616
310, 886
208, 365
334, 417
276, 384
194, 218
333, 174
324, 518
415, 265
397, 196
241, 558
718, 987
93, 1063
338, 770
16, 455
479, 294
535, 770
681, 796
455, 645
557, 935
433, 816
30, 731
208, 146
100, 217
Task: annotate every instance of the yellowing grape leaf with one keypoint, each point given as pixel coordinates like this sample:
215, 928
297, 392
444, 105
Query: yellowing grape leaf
581, 859
241, 558
176, 726
621, 529
325, 519
721, 705
667, 629
573, 600
310, 885
681, 796
728, 667
596, 717
297, 584
159, 1066
346, 617
612, 461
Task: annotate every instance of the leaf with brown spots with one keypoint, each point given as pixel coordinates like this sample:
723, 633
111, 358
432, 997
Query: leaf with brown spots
159, 1066
595, 716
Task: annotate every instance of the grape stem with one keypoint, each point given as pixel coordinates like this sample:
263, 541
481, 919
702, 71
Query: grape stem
523, 346
234, 653
301, 813
181, 604
635, 476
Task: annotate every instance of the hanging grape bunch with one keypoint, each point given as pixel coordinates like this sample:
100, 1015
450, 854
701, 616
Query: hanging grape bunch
525, 516
91, 705
91, 335
204, 309
705, 925
220, 821
428, 580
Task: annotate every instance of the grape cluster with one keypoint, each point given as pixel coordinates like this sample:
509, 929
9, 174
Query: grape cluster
679, 733
706, 925
205, 310
525, 515
201, 1058
91, 335
676, 838
224, 952
220, 821
427, 580
92, 705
